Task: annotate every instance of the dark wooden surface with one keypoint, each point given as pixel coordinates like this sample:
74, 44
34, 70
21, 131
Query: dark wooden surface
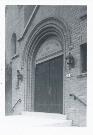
49, 86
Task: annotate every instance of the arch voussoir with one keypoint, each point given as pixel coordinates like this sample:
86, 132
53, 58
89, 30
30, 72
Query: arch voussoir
46, 28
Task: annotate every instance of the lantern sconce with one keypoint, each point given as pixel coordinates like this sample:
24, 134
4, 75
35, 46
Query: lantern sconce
19, 78
70, 61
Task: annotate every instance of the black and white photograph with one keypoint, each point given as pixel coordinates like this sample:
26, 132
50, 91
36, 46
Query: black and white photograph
46, 64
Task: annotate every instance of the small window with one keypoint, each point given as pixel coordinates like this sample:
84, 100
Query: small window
13, 44
83, 52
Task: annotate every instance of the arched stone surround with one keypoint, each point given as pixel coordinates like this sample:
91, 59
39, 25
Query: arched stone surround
49, 27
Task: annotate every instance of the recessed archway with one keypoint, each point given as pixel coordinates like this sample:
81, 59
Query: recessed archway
48, 28
48, 91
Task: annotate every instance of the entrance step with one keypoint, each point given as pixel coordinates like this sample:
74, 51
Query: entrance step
45, 115
48, 119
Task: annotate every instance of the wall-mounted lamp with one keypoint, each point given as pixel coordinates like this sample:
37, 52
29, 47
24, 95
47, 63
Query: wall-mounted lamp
70, 61
19, 78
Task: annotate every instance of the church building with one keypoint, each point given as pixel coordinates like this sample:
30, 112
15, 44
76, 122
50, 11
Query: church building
46, 61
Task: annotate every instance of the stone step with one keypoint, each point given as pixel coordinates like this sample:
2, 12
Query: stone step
48, 119
43, 122
45, 115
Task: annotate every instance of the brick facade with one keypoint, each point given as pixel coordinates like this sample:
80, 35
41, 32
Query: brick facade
76, 28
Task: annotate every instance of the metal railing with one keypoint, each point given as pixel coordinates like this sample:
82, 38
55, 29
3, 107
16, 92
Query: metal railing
77, 98
18, 101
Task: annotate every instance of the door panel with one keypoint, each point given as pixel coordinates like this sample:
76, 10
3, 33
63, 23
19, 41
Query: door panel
41, 87
56, 84
49, 86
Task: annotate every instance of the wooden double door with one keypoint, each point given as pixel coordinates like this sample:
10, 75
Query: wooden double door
49, 86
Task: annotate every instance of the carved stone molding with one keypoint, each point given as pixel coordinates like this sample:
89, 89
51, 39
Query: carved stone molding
47, 28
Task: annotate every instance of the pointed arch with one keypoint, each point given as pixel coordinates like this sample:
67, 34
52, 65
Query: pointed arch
48, 27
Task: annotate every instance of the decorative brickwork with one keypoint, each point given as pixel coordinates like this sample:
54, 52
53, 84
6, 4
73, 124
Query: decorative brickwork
66, 25
45, 29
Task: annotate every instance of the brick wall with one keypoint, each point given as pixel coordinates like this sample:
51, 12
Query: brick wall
78, 28
14, 23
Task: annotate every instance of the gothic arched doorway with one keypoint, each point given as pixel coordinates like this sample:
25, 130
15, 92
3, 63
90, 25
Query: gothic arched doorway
53, 36
48, 95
